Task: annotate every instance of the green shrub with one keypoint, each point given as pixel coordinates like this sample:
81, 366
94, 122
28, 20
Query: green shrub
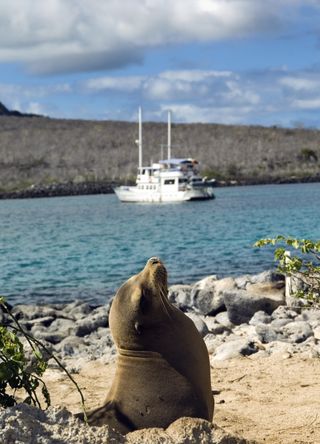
304, 265
16, 372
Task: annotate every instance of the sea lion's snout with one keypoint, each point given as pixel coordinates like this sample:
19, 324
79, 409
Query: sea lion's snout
154, 261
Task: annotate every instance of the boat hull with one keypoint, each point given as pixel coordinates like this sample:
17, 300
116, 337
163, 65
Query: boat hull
134, 194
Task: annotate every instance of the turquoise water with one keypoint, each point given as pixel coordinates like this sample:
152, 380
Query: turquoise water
60, 249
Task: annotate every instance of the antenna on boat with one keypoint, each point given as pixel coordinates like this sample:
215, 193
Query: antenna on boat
139, 141
169, 134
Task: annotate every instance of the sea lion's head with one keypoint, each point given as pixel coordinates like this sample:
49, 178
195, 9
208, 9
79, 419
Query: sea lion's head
140, 306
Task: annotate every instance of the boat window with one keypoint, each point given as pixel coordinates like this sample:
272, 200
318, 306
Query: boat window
169, 182
183, 180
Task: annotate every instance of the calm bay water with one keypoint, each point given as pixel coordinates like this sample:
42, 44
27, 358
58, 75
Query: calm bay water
61, 249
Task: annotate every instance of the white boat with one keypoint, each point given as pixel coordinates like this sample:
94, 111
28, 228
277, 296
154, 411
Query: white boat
170, 180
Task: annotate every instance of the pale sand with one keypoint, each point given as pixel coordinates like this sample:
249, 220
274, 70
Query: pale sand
270, 400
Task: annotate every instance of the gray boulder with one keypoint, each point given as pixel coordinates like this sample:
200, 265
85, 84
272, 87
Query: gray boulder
235, 348
268, 276
267, 334
260, 317
316, 333
63, 326
208, 294
215, 327
311, 315
223, 319
180, 295
78, 309
243, 304
298, 331
88, 325
278, 324
29, 312
284, 312
70, 346
34, 323
213, 341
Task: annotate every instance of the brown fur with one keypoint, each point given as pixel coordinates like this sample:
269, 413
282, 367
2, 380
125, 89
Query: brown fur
163, 368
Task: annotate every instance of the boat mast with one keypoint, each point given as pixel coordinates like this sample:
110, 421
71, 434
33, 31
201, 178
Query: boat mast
169, 134
140, 139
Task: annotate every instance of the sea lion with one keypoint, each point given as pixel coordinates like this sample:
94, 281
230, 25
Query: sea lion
163, 370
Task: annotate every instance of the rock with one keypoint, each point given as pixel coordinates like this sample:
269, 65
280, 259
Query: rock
260, 317
180, 295
78, 309
316, 333
264, 277
212, 342
215, 327
269, 276
311, 315
199, 323
43, 322
242, 281
280, 348
29, 312
86, 326
246, 331
235, 348
208, 295
70, 345
53, 338
284, 312
298, 331
278, 324
206, 282
62, 326
267, 334
223, 319
242, 305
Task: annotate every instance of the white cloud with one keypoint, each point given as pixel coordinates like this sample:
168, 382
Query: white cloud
63, 35
114, 83
195, 75
301, 83
265, 97
35, 108
313, 103
203, 114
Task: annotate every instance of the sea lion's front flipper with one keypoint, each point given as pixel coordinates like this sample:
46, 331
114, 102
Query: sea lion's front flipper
109, 414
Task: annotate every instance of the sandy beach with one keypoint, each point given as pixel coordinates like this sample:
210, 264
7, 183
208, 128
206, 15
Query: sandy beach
268, 400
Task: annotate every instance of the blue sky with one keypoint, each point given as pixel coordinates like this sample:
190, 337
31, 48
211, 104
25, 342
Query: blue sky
224, 61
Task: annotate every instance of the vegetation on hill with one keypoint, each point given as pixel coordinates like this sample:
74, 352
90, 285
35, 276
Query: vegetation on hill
41, 151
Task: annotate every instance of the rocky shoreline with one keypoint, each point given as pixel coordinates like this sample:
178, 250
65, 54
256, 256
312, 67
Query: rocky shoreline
242, 316
91, 188
60, 190
236, 316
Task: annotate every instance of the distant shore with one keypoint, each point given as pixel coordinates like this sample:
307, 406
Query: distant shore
91, 188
